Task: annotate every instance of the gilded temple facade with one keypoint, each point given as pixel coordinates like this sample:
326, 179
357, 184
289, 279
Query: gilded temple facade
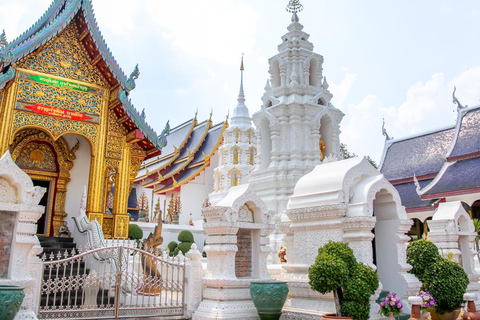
64, 97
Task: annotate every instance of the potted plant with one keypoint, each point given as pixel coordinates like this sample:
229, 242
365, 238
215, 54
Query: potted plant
269, 298
428, 302
352, 283
390, 306
445, 280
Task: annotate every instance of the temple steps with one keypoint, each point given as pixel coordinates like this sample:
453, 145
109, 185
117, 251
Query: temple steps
55, 245
70, 296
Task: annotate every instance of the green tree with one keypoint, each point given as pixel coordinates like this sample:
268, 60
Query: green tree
347, 155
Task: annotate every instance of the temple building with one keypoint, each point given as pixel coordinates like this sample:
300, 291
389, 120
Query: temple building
439, 166
67, 120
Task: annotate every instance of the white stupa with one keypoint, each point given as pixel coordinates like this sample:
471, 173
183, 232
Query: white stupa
237, 154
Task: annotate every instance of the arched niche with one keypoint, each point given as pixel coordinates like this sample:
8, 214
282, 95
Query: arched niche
326, 131
275, 74
313, 78
265, 144
49, 163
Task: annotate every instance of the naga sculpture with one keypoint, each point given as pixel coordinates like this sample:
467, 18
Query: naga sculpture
149, 264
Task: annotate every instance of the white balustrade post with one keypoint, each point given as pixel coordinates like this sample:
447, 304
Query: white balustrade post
193, 276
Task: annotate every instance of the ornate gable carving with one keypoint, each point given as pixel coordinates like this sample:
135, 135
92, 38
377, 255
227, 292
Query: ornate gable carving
64, 56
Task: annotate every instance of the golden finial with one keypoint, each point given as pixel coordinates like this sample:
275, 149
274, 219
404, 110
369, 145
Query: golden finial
211, 113
241, 65
175, 183
294, 6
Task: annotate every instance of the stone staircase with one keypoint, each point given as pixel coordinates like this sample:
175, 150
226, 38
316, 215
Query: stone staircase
72, 298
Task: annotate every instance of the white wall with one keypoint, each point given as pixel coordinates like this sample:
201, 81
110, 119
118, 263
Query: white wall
79, 176
194, 193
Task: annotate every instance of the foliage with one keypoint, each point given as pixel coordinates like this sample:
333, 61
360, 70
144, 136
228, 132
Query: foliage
134, 232
184, 247
185, 239
428, 300
172, 245
422, 254
445, 280
336, 269
185, 236
345, 154
390, 304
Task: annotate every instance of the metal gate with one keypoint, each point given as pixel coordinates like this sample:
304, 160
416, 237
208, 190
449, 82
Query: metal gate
112, 283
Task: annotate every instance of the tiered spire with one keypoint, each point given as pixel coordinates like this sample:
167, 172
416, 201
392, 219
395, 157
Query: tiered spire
241, 116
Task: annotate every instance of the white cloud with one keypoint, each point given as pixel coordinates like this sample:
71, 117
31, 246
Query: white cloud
341, 91
428, 105
217, 22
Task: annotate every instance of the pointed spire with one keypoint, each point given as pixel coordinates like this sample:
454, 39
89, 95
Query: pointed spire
241, 117
241, 94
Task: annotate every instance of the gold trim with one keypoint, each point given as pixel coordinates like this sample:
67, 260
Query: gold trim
174, 155
197, 147
41, 173
204, 164
52, 188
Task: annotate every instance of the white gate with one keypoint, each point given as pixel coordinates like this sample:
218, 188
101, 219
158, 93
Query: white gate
112, 283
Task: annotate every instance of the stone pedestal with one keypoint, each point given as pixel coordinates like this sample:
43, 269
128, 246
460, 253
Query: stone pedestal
19, 213
237, 231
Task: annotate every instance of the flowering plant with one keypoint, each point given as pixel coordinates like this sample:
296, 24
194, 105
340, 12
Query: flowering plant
390, 304
427, 299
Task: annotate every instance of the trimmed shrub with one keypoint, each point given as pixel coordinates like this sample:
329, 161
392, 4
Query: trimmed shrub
171, 246
446, 281
422, 254
336, 269
185, 236
134, 232
185, 247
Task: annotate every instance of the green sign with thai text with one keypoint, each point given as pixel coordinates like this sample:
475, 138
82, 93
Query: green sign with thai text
60, 83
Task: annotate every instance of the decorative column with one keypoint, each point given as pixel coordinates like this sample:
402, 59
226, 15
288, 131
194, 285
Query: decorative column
7, 107
97, 181
122, 191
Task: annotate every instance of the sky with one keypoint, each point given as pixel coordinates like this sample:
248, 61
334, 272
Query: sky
392, 60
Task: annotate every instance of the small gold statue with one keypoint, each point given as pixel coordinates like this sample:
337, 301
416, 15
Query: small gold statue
282, 253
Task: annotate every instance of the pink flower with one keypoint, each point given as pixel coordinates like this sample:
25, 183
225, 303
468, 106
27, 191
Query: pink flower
382, 304
392, 303
399, 305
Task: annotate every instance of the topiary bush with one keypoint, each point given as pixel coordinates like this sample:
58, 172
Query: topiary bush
421, 255
336, 269
185, 236
186, 240
134, 232
172, 245
445, 280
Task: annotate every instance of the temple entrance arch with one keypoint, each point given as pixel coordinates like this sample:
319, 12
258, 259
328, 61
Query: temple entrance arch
48, 163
